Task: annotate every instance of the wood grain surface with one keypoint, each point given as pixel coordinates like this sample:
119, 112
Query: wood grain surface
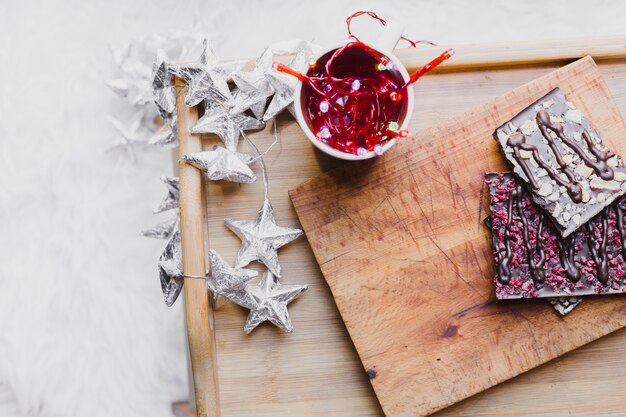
315, 371
402, 246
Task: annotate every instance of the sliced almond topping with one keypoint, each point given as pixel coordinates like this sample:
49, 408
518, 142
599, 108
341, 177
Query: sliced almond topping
553, 197
525, 154
600, 184
545, 189
574, 116
583, 170
585, 196
620, 176
528, 127
556, 119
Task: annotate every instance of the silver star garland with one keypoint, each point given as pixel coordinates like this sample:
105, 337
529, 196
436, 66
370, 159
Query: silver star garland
267, 301
223, 279
226, 116
223, 164
171, 269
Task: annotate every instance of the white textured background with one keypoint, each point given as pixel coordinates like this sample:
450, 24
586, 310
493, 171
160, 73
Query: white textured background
83, 328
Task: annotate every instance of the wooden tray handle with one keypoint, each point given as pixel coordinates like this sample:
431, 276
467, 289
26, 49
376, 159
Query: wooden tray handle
198, 312
473, 56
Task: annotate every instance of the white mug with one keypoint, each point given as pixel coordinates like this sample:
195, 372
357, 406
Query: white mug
386, 42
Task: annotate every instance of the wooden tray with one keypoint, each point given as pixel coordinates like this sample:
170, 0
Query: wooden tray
315, 371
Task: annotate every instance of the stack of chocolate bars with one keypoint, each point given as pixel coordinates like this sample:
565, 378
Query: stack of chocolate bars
557, 220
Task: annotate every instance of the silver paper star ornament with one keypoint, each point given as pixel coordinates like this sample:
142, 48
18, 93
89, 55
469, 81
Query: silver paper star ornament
223, 68
267, 302
223, 164
134, 84
261, 238
166, 134
163, 85
209, 78
228, 127
253, 88
170, 201
284, 85
222, 278
252, 100
171, 269
163, 230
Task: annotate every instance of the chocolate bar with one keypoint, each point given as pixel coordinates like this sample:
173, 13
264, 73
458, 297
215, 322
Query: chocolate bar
533, 260
554, 150
564, 305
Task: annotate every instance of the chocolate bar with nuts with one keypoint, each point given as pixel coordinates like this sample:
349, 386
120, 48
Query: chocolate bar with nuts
555, 151
533, 260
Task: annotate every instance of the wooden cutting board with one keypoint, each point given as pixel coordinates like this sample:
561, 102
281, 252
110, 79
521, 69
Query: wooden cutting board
401, 243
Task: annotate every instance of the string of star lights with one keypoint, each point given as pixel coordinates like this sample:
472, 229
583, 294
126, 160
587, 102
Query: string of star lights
354, 97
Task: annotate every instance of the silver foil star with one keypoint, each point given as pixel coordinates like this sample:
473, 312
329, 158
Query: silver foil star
163, 85
167, 133
252, 100
170, 201
209, 78
224, 68
222, 278
267, 302
164, 229
223, 164
171, 269
253, 88
261, 238
224, 124
134, 85
284, 85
